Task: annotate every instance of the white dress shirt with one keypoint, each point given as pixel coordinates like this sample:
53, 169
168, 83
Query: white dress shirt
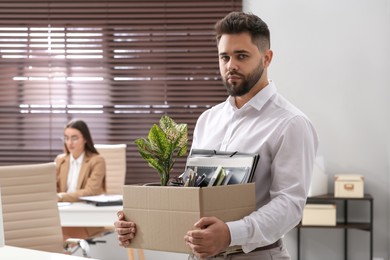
287, 143
73, 174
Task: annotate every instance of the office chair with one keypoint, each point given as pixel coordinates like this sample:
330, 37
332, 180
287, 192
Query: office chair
30, 212
1, 223
115, 159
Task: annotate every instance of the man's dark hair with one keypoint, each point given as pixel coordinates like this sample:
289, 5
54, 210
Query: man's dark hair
240, 22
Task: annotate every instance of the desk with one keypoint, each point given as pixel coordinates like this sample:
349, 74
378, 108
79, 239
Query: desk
12, 253
81, 214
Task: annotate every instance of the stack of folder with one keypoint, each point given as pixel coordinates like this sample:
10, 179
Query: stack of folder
213, 168
104, 199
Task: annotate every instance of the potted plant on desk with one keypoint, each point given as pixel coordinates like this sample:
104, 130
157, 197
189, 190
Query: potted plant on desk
163, 145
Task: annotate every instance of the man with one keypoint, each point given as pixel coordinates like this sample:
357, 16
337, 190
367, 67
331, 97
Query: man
254, 119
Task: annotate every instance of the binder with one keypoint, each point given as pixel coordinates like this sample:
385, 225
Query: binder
239, 167
104, 200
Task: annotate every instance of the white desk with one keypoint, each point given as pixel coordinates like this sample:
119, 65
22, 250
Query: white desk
80, 214
16, 253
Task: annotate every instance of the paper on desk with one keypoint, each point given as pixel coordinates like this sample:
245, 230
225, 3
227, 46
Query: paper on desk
103, 198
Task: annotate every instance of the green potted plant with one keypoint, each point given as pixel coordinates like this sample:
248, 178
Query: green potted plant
163, 145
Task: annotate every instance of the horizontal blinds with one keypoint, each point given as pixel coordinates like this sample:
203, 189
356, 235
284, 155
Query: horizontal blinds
118, 65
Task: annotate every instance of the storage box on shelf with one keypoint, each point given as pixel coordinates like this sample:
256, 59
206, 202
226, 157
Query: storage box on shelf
349, 186
319, 215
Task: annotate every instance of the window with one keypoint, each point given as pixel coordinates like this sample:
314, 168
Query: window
118, 65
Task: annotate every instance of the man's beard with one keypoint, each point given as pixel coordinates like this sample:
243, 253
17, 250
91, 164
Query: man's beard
248, 82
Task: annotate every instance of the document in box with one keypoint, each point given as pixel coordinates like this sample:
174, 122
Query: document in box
104, 199
237, 167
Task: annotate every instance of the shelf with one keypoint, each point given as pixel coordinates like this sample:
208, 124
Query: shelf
344, 225
351, 225
331, 197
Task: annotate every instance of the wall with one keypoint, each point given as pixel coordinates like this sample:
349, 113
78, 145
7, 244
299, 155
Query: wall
331, 59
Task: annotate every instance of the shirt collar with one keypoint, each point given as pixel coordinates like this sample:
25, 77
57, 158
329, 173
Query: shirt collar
78, 160
258, 101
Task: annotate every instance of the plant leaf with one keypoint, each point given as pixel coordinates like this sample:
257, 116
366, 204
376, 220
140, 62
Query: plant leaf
159, 142
164, 143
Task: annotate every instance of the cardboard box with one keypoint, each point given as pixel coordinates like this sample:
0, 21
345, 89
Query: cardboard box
319, 215
164, 214
349, 186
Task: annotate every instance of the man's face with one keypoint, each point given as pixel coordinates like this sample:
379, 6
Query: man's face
240, 63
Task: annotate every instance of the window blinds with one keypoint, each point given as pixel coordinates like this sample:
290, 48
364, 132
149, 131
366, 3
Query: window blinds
118, 65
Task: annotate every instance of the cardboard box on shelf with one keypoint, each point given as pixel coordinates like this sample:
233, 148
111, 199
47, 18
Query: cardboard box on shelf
319, 215
349, 186
164, 214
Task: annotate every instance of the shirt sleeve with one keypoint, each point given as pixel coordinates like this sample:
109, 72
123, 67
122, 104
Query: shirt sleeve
292, 162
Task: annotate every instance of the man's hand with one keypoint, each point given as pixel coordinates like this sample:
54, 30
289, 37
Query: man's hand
125, 229
210, 237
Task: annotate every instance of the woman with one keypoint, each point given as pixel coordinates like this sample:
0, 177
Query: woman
80, 171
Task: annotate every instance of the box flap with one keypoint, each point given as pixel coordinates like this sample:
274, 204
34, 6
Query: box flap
161, 198
227, 196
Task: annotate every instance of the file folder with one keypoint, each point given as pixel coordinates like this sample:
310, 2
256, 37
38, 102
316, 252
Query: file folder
239, 166
104, 200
